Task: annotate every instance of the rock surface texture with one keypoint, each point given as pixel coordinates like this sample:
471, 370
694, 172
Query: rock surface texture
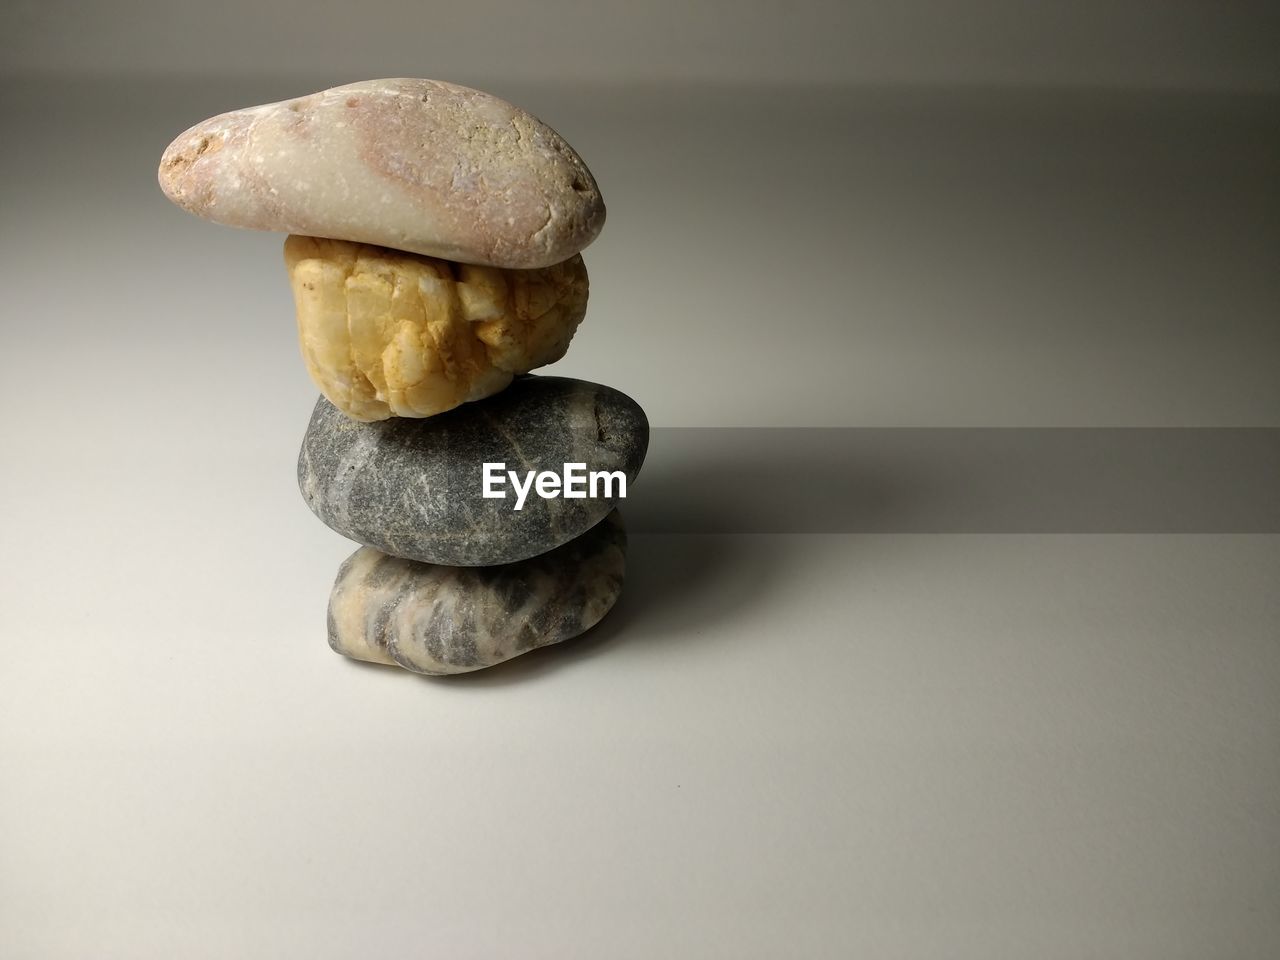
419, 165
386, 333
437, 619
434, 255
414, 488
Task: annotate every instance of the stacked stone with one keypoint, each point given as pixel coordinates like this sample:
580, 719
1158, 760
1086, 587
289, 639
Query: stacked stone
434, 255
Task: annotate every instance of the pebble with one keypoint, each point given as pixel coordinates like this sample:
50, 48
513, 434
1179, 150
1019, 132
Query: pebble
386, 333
437, 619
413, 488
418, 165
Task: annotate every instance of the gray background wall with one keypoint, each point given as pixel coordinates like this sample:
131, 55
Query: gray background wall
1160, 44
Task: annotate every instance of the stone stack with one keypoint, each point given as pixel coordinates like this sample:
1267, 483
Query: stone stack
434, 255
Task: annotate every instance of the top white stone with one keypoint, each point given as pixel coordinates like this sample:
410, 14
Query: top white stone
418, 165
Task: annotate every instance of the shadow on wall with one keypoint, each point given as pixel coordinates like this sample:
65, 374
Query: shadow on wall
700, 516
959, 480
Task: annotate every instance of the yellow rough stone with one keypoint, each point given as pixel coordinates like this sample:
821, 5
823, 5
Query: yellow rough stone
386, 333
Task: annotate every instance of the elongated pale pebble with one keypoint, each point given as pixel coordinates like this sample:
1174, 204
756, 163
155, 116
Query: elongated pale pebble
437, 619
418, 165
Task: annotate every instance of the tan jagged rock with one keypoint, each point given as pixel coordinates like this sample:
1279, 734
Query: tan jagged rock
386, 333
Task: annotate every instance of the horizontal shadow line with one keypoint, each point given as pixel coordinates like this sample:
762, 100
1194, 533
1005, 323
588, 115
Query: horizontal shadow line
958, 480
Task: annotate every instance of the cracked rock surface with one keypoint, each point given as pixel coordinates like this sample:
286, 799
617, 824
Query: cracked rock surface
386, 333
413, 488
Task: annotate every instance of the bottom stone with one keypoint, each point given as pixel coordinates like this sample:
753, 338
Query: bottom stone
436, 619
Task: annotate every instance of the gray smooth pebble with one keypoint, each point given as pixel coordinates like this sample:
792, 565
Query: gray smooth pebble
413, 488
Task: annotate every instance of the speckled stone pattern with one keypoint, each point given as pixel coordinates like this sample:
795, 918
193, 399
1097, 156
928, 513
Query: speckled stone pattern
418, 165
437, 619
414, 488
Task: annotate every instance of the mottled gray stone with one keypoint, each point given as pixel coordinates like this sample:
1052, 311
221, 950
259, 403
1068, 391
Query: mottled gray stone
436, 619
413, 488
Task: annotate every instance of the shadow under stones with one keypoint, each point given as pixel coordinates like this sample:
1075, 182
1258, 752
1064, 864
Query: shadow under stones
675, 587
700, 516
700, 551
766, 481
685, 570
